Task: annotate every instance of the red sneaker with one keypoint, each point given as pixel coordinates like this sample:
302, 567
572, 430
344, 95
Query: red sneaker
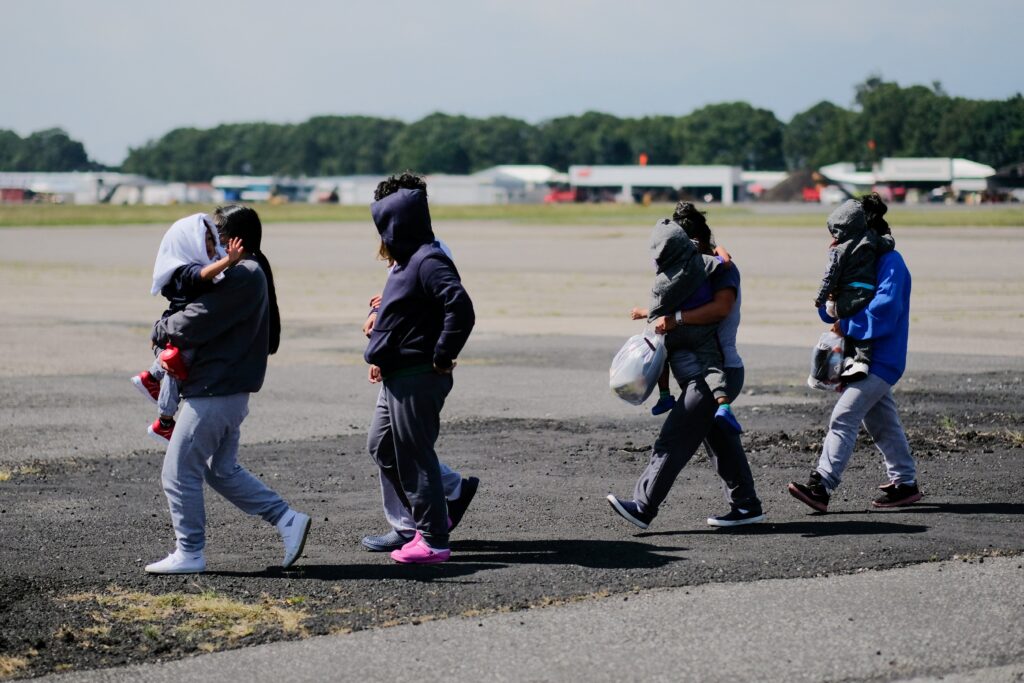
175, 363
160, 433
147, 385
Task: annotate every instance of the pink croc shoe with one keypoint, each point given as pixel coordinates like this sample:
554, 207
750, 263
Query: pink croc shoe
417, 551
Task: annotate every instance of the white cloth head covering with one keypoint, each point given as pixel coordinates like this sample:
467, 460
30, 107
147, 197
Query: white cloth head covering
183, 243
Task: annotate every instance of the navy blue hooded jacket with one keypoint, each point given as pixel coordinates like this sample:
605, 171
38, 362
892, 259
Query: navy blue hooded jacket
425, 314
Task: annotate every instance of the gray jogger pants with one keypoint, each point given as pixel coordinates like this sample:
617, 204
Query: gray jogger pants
205, 446
684, 429
403, 431
869, 401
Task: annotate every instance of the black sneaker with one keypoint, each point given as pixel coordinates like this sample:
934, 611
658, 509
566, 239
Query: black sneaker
897, 495
630, 511
738, 517
385, 543
812, 493
457, 508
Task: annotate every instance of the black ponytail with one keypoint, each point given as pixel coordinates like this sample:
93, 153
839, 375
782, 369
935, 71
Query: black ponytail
874, 210
695, 223
243, 222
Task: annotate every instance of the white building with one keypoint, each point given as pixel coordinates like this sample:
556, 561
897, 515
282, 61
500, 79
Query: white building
629, 183
86, 187
918, 174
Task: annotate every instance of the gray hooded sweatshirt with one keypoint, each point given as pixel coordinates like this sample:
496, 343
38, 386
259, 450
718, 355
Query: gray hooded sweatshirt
850, 274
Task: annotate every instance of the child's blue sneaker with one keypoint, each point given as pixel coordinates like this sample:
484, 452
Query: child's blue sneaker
664, 404
727, 421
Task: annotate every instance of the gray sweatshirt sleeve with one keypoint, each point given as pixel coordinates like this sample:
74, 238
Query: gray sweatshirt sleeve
212, 314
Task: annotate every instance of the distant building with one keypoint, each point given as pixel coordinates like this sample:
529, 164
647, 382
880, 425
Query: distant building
73, 187
912, 179
630, 183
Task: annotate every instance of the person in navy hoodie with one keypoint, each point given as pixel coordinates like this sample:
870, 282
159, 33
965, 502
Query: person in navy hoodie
885, 322
424, 320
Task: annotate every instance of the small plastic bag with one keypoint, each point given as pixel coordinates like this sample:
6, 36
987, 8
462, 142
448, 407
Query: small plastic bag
637, 366
826, 362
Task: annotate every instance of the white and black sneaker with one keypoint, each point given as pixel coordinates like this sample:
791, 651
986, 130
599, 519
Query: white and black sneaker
738, 517
854, 371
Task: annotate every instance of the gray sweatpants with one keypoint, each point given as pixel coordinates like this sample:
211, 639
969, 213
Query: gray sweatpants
205, 446
395, 511
727, 455
685, 428
403, 431
869, 401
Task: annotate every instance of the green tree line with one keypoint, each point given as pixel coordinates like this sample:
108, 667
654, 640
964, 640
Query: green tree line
884, 120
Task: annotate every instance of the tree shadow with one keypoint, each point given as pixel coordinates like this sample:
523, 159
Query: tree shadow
594, 554
805, 529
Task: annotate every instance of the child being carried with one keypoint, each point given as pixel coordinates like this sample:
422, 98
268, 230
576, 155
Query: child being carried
682, 283
849, 282
185, 268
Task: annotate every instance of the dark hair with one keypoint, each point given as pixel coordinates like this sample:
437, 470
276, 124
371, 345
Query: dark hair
243, 222
695, 223
406, 181
874, 210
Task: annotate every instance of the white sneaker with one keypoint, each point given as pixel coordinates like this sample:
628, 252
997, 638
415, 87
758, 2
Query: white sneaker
854, 370
179, 562
293, 527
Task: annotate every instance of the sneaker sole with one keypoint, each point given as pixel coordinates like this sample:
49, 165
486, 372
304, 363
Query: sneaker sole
156, 437
898, 504
302, 545
613, 501
712, 521
811, 503
435, 559
176, 571
137, 383
474, 486
382, 548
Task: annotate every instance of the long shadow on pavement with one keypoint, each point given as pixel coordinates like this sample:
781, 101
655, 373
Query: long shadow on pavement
372, 572
806, 529
594, 554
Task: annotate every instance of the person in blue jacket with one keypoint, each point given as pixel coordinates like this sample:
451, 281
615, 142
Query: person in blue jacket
424, 320
885, 322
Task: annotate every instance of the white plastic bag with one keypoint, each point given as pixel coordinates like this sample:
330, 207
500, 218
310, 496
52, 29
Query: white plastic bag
826, 362
637, 366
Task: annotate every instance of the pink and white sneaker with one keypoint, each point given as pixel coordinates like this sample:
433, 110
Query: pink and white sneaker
417, 551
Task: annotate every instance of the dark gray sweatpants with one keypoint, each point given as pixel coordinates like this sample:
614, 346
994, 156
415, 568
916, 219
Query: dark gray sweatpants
401, 441
685, 428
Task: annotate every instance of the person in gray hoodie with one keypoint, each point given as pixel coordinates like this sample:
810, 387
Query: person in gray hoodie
232, 329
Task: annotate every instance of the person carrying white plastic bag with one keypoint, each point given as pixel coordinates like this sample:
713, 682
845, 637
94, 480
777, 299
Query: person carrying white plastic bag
637, 366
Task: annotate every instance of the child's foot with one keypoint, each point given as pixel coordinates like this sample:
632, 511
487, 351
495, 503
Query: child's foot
161, 430
853, 371
147, 385
664, 404
726, 420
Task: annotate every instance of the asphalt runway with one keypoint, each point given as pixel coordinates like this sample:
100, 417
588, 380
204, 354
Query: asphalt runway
531, 416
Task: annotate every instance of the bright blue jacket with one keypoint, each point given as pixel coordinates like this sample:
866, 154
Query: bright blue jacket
885, 321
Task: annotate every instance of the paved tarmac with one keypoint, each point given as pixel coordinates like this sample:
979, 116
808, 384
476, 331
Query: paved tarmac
938, 621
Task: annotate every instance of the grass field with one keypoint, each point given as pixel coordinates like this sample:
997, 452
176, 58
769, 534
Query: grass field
559, 214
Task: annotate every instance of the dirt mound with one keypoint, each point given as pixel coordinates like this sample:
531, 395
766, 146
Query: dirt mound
790, 189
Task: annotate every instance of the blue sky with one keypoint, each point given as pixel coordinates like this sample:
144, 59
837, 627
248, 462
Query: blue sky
117, 73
